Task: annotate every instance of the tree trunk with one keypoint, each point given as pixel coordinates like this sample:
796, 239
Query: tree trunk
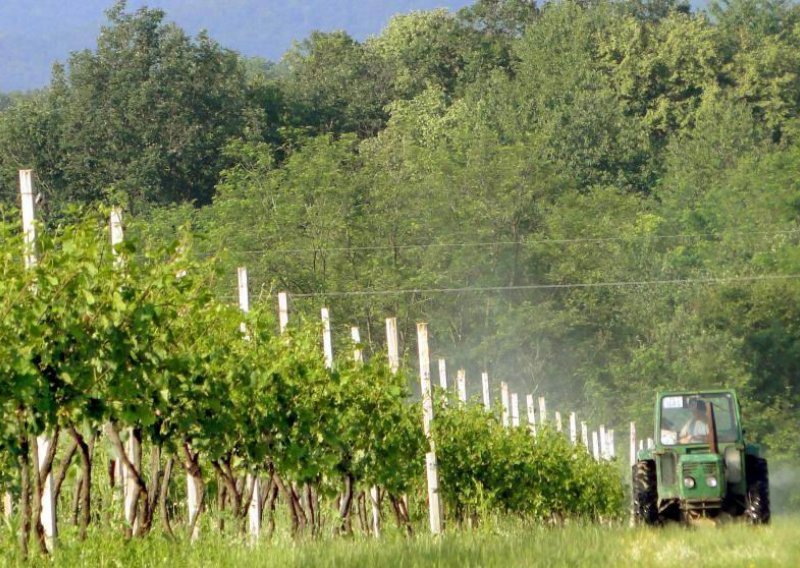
222, 492
61, 475
85, 487
141, 486
24, 495
234, 497
38, 489
273, 497
401, 514
362, 512
162, 498
289, 502
345, 505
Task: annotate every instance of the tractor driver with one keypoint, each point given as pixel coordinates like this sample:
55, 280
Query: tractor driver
696, 428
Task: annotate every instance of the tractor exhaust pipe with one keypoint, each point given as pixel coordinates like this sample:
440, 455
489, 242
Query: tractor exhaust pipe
711, 438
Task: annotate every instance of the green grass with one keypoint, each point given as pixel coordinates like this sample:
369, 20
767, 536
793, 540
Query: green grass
500, 545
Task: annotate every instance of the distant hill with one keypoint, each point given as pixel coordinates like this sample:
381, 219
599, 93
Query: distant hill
35, 33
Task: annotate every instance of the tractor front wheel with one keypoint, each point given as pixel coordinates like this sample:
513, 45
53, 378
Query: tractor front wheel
645, 493
757, 474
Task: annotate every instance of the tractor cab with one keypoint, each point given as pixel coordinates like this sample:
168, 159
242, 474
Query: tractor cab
700, 466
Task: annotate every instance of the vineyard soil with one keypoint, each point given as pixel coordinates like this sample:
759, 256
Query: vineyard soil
502, 544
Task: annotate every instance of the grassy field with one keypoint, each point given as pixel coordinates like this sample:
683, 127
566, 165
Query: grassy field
499, 545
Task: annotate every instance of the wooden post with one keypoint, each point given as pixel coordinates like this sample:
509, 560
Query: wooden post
542, 411
358, 355
595, 445
573, 428
283, 310
435, 510
603, 442
506, 403
461, 382
514, 410
327, 342
254, 510
48, 515
392, 344
558, 421
585, 435
531, 414
487, 399
443, 374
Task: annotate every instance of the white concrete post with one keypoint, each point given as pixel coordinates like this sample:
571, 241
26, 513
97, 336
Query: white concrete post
374, 497
487, 399
393, 352
392, 344
611, 450
254, 510
435, 510
28, 216
8, 505
443, 374
650, 444
358, 355
120, 471
603, 442
585, 435
374, 492
558, 422
48, 515
244, 296
192, 505
514, 410
573, 428
542, 411
327, 342
461, 382
595, 445
632, 441
132, 445
506, 403
531, 414
283, 310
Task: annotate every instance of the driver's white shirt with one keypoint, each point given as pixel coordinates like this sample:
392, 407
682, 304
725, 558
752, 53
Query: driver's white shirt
695, 428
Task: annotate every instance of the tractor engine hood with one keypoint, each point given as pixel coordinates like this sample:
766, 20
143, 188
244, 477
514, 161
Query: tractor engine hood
701, 477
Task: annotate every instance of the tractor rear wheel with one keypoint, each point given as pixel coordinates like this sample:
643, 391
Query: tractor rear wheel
645, 493
757, 474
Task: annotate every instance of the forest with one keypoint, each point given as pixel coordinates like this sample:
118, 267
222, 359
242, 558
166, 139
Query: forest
592, 200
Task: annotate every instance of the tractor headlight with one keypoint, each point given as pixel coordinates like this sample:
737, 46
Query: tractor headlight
689, 482
711, 481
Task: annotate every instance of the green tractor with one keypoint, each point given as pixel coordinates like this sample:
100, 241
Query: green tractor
700, 466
